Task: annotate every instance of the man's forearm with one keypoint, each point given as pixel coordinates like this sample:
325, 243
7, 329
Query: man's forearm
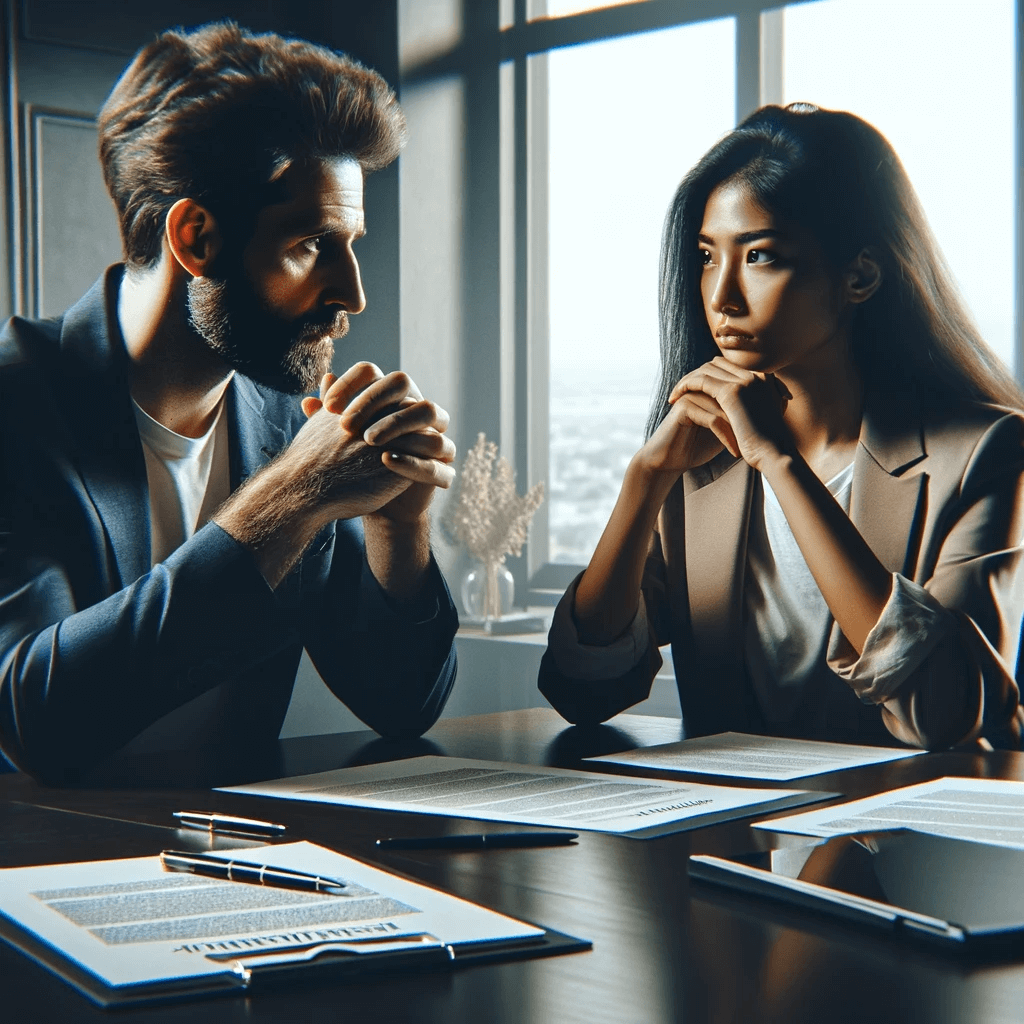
398, 554
279, 510
272, 520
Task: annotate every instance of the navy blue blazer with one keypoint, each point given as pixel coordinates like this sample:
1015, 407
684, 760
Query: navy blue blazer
96, 647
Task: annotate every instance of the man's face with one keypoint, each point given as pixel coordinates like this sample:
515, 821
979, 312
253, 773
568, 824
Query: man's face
272, 310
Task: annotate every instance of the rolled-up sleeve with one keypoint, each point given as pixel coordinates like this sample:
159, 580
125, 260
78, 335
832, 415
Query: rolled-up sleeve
941, 659
911, 624
590, 683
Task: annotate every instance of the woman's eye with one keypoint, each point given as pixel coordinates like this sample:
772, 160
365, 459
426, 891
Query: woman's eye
760, 256
705, 257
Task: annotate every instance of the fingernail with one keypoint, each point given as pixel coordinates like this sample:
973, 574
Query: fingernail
394, 456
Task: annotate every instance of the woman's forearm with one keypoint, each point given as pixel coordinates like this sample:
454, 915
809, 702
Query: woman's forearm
609, 591
854, 583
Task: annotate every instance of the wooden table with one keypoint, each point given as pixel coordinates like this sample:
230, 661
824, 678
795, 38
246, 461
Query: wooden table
663, 951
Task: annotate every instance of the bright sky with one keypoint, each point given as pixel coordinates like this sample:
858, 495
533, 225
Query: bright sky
630, 116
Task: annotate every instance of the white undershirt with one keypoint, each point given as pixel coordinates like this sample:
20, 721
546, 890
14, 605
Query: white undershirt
787, 620
188, 479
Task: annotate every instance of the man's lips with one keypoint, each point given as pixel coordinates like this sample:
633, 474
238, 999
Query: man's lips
335, 326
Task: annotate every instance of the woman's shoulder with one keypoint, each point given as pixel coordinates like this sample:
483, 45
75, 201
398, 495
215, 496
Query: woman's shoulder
969, 423
975, 441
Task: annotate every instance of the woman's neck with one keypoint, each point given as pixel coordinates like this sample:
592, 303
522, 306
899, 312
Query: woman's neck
825, 411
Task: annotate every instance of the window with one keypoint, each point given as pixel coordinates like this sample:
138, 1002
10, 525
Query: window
606, 119
626, 119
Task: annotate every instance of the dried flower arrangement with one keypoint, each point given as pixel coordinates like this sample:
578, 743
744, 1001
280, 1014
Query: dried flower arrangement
487, 515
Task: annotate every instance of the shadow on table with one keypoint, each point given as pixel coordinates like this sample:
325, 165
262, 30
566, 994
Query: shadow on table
577, 742
237, 765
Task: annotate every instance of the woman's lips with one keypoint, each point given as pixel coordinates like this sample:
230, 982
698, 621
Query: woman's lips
730, 338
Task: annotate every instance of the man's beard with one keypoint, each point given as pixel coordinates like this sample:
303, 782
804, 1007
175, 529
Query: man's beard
287, 355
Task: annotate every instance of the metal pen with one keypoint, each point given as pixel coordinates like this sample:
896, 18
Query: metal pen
212, 821
485, 841
254, 874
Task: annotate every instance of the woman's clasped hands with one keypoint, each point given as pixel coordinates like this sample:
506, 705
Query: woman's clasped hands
720, 405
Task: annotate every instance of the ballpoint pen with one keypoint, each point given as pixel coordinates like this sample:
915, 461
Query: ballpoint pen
486, 841
212, 821
257, 874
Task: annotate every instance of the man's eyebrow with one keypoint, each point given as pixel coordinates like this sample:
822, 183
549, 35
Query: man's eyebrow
746, 236
307, 225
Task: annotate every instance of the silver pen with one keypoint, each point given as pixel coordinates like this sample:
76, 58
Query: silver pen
211, 821
254, 874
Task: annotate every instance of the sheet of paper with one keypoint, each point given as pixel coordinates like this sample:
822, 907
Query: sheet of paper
982, 810
529, 795
129, 922
743, 756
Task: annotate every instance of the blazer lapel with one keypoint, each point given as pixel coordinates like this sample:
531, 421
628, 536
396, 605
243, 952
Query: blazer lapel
109, 455
253, 439
715, 528
887, 506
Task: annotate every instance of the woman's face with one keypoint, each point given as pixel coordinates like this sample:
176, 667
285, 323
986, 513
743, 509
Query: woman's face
769, 299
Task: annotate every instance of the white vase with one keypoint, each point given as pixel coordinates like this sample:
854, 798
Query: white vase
488, 591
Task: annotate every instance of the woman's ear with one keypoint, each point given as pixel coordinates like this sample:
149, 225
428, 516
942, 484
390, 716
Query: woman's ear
862, 277
193, 236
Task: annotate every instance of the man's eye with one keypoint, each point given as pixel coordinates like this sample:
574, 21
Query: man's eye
761, 256
312, 244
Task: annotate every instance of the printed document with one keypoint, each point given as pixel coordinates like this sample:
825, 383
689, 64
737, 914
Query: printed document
130, 923
981, 810
742, 756
530, 795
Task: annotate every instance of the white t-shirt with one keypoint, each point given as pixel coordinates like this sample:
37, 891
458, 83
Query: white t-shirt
787, 620
188, 478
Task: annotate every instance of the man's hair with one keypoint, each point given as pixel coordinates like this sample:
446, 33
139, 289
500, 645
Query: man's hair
218, 114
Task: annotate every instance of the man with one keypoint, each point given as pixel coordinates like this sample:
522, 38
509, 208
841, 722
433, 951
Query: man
236, 165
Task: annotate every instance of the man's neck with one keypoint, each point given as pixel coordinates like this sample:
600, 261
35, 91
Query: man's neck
174, 376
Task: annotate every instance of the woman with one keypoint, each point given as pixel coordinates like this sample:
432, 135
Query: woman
842, 557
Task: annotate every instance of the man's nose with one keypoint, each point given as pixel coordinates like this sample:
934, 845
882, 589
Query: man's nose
345, 286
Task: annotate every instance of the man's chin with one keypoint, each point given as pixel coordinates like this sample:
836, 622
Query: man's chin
299, 373
305, 364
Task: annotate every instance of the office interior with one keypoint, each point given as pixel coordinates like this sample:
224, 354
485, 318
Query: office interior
454, 262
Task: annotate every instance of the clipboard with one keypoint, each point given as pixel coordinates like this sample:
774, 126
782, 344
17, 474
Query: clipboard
60, 917
949, 893
323, 971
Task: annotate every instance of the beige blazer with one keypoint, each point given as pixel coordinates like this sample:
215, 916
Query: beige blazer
940, 502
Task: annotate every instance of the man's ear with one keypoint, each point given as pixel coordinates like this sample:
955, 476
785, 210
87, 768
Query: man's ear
862, 276
193, 236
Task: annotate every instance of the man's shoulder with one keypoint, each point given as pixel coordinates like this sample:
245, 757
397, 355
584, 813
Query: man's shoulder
25, 343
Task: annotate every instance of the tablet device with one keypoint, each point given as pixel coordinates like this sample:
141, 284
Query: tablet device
951, 891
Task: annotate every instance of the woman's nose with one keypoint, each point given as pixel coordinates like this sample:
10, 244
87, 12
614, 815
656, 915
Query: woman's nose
727, 295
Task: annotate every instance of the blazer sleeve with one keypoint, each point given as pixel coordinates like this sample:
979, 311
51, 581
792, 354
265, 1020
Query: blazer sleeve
962, 687
78, 682
392, 664
587, 683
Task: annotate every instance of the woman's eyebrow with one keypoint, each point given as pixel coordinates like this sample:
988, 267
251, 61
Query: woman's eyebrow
746, 236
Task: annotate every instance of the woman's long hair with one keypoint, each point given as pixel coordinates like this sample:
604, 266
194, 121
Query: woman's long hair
834, 175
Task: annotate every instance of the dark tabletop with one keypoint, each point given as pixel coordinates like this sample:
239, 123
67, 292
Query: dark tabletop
662, 950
